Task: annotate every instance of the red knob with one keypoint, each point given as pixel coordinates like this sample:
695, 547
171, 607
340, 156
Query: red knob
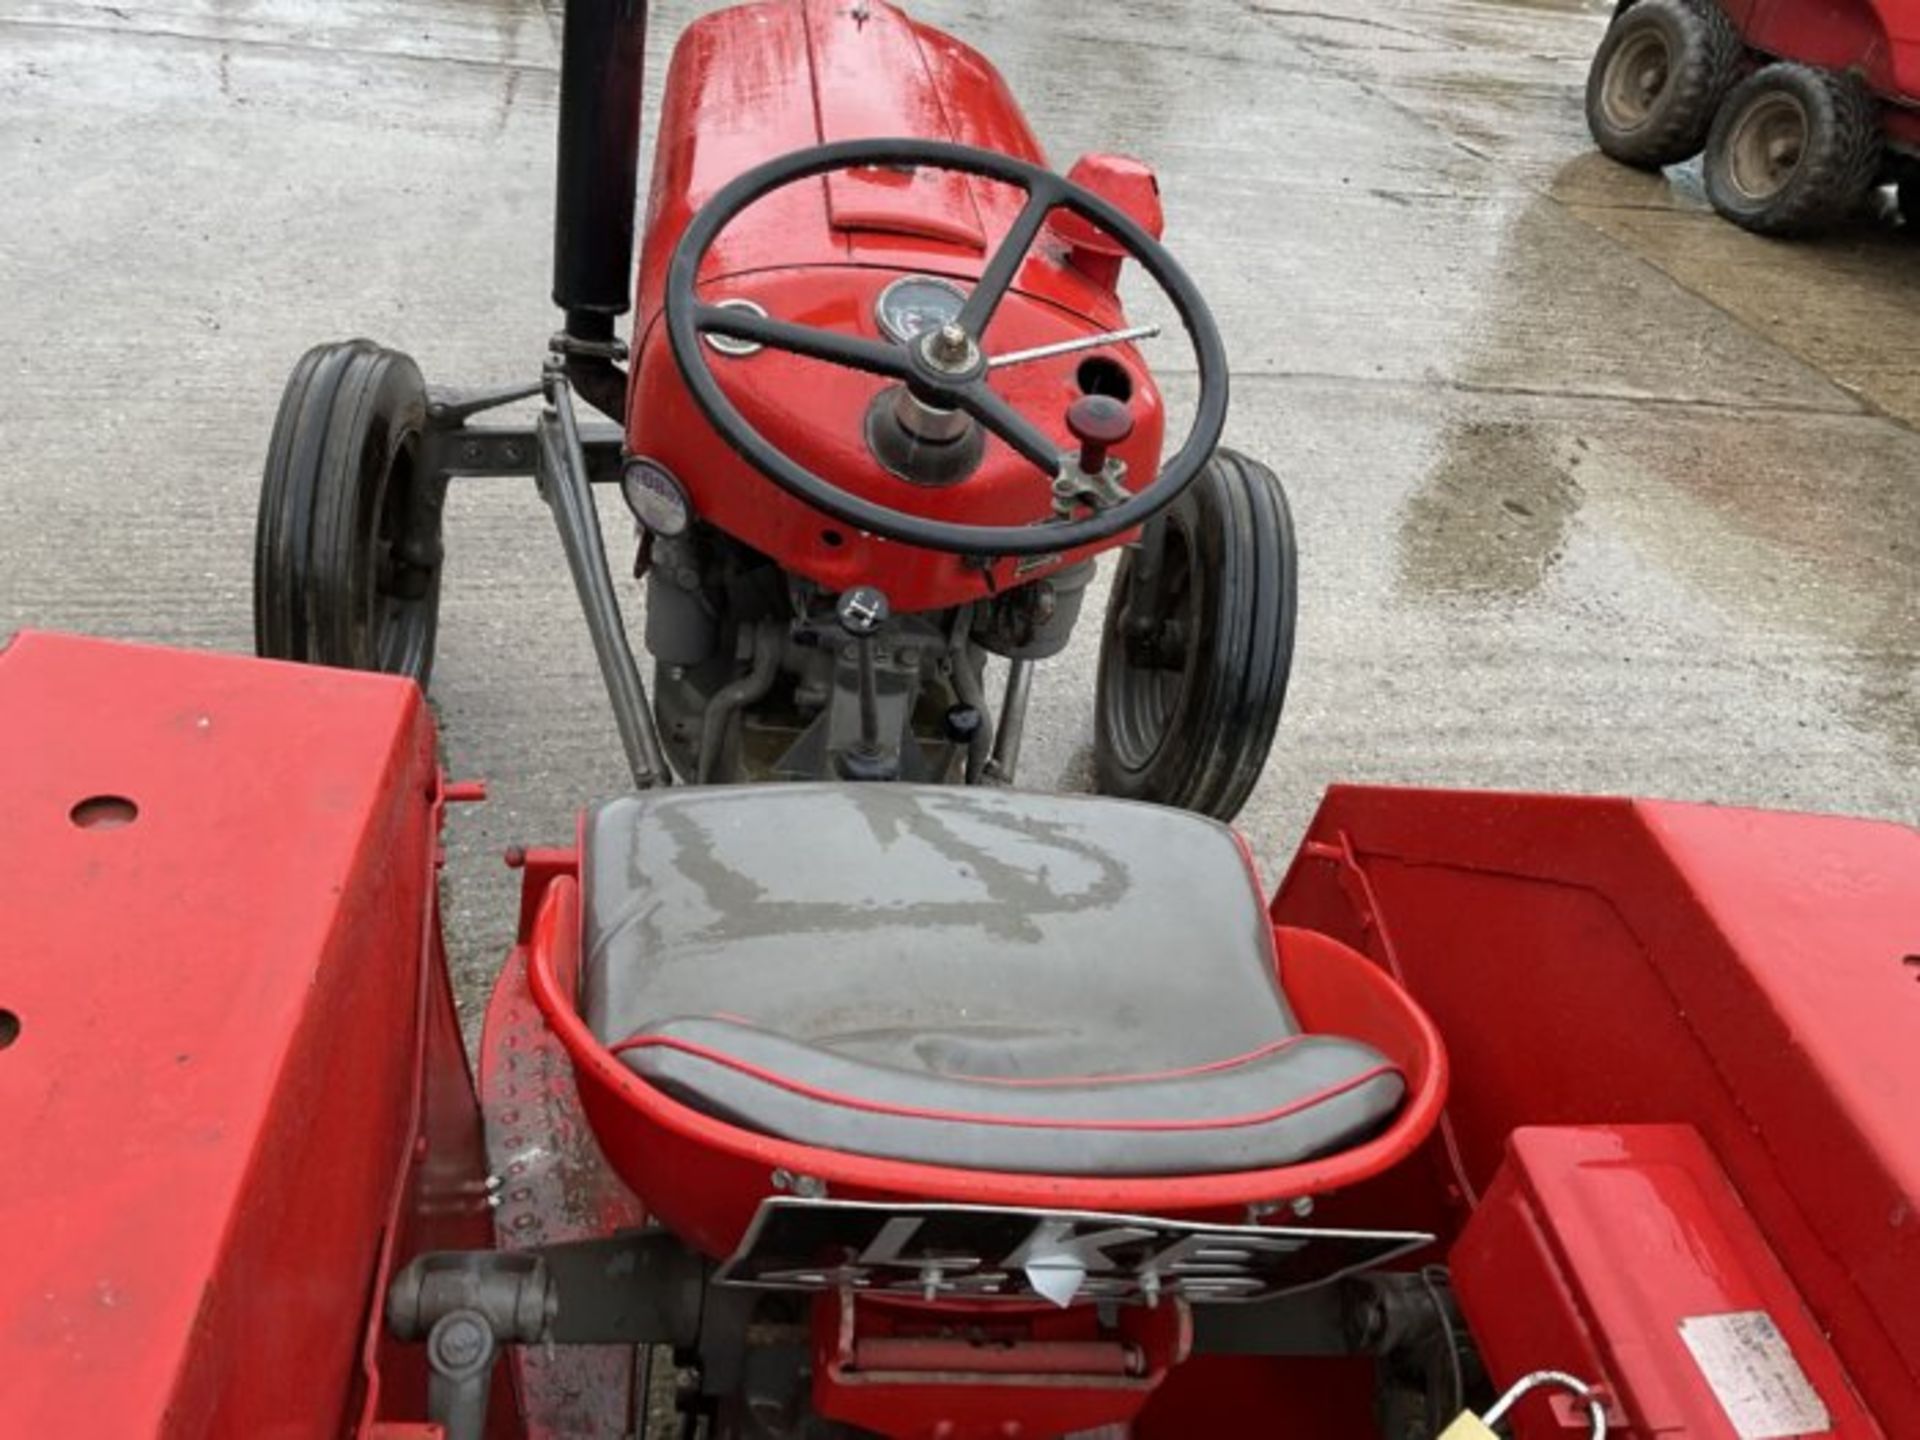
1098, 422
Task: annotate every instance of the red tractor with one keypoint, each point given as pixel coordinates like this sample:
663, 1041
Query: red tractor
1801, 106
825, 1110
884, 411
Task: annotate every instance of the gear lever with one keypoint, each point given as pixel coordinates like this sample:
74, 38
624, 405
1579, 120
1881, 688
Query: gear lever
862, 611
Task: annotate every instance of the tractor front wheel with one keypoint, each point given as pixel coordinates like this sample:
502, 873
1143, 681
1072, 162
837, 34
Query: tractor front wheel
346, 564
1658, 78
1198, 645
1793, 150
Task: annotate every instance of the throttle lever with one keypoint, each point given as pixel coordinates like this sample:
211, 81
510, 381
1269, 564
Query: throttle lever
1098, 422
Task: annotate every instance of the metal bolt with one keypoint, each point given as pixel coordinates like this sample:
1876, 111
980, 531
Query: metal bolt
460, 1341
949, 344
862, 610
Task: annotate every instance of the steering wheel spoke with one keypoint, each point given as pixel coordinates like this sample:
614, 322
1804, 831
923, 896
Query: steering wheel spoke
855, 352
1027, 439
1043, 197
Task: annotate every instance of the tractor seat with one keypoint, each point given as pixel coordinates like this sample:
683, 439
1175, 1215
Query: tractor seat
985, 979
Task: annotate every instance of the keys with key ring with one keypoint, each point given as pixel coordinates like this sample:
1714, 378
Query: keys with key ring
1469, 1426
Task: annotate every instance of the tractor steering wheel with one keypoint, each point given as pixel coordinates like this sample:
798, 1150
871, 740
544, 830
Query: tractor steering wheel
950, 375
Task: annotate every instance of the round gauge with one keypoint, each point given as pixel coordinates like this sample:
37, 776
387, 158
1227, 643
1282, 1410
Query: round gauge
915, 304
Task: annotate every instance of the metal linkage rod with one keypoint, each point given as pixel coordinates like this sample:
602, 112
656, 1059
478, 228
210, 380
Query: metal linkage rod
564, 482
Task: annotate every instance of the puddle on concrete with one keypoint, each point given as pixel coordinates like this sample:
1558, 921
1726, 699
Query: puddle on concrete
1492, 519
1593, 181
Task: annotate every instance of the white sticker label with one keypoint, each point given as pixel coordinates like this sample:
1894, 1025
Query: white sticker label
1751, 1368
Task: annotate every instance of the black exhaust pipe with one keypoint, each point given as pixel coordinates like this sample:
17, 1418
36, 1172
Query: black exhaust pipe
601, 47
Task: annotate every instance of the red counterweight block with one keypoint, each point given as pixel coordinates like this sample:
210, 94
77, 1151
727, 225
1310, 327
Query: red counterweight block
1623, 1255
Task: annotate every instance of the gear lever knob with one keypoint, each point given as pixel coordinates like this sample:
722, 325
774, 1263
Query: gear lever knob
862, 610
1098, 422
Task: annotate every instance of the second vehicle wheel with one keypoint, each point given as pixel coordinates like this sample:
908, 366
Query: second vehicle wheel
346, 563
1198, 645
1793, 149
1657, 80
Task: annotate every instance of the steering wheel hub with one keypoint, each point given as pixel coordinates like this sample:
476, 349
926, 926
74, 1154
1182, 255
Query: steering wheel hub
950, 351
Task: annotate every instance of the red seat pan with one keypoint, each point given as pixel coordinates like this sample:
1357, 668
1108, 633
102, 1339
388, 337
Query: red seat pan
704, 1178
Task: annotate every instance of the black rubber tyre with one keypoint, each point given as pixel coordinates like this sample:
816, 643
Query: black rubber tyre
1657, 79
347, 553
1793, 149
1185, 713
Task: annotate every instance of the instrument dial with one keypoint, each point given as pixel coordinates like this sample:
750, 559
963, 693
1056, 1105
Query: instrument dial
915, 304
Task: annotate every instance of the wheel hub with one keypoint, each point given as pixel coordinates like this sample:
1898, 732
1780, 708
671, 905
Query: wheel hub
1636, 80
1767, 145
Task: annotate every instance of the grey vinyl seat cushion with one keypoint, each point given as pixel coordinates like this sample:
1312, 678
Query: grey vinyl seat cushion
986, 979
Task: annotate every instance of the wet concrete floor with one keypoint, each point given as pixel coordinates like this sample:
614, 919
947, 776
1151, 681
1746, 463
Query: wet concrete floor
1595, 492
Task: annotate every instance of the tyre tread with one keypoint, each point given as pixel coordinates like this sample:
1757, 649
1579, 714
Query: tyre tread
313, 513
1223, 729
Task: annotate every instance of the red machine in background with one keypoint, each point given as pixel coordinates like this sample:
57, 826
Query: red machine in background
1629, 1094
1801, 106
